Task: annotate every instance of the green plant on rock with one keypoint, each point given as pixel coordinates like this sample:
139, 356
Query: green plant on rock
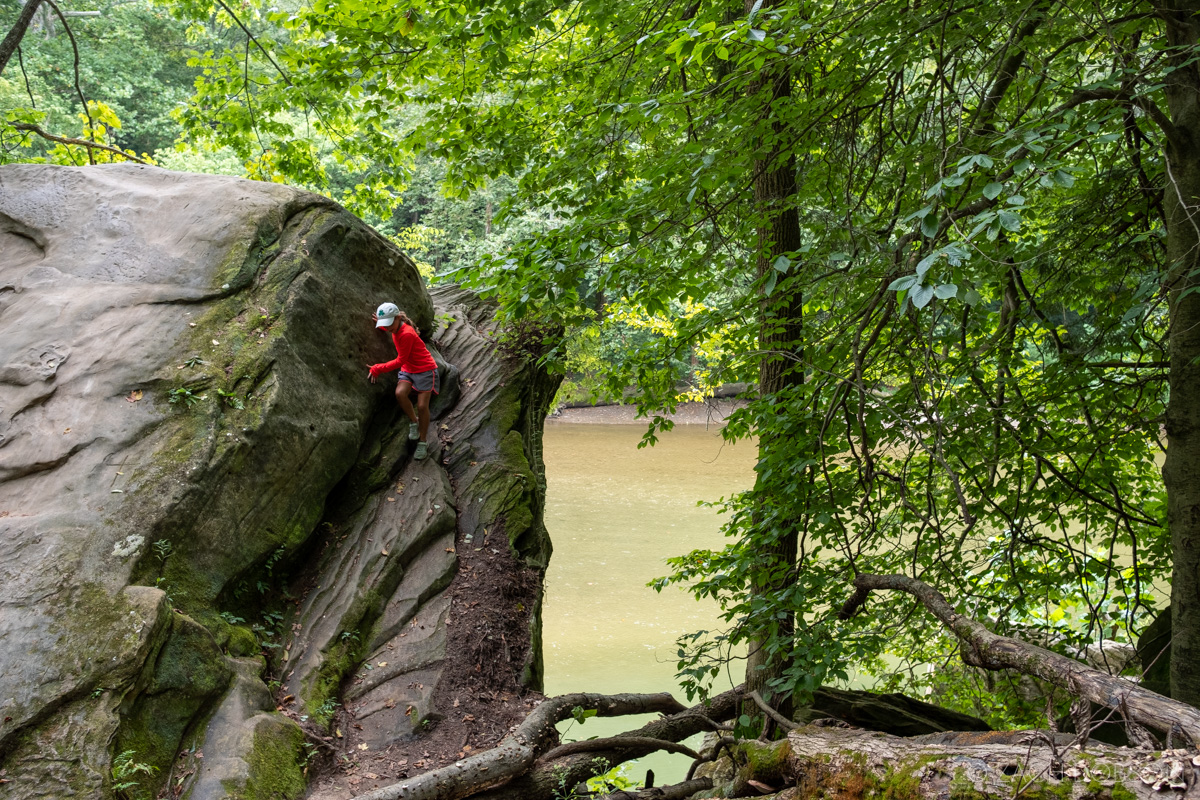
183, 396
127, 774
231, 399
325, 712
163, 549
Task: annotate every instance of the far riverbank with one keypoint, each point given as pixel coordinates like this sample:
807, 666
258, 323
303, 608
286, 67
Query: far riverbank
712, 412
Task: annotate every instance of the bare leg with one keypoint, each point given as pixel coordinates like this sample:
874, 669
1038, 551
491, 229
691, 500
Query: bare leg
422, 414
402, 390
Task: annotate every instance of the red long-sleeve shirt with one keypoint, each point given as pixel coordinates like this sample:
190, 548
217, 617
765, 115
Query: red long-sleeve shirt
412, 356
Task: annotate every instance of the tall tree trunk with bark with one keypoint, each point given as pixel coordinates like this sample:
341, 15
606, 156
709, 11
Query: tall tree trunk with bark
780, 332
13, 40
1181, 471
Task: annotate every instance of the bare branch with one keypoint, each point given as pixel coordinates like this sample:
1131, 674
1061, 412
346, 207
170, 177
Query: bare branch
25, 126
780, 719
649, 744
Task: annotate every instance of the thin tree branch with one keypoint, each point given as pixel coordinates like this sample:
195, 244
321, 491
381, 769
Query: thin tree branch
780, 719
25, 126
79, 91
648, 743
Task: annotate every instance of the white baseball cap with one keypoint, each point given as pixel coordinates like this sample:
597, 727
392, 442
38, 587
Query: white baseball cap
386, 314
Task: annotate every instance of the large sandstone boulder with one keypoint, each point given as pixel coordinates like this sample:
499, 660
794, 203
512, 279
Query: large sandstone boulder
187, 438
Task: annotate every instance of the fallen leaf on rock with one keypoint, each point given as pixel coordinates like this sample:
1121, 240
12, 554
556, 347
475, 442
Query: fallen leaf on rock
363, 746
391, 499
134, 396
383, 663
338, 733
449, 549
68, 430
371, 776
456, 702
385, 552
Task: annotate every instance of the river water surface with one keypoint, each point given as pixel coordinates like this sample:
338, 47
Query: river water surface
615, 513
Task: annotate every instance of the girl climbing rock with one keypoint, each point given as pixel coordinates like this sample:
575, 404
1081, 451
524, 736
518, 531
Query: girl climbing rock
417, 371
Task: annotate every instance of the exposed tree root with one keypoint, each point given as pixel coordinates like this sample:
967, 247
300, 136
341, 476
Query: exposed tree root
982, 648
547, 777
676, 791
517, 751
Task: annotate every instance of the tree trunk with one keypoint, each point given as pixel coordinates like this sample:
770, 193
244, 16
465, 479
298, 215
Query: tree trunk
1181, 471
780, 329
13, 39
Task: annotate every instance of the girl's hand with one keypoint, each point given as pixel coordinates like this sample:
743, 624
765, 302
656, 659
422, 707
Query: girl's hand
371, 372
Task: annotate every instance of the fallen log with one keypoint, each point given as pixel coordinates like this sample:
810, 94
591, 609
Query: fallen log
845, 763
982, 648
517, 751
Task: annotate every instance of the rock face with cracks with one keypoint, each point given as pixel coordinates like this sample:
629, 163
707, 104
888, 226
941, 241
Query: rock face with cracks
203, 499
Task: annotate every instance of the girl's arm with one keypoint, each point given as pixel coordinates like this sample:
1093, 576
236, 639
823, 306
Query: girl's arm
403, 345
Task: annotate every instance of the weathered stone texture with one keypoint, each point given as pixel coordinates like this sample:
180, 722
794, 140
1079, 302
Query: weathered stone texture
184, 416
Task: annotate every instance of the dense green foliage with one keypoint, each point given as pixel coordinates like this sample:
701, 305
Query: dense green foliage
982, 269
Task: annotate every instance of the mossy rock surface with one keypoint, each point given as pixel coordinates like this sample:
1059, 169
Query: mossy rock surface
191, 447
185, 384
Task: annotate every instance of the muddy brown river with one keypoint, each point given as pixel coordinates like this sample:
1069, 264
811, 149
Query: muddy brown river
615, 513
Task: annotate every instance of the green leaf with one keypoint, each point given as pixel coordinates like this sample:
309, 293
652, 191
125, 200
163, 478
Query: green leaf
1063, 179
1010, 221
930, 226
946, 291
921, 295
993, 190
782, 264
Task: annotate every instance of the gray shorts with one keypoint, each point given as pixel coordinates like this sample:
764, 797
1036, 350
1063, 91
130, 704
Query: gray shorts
421, 381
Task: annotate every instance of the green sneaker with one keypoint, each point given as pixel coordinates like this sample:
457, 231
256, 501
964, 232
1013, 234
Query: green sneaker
421, 452
414, 431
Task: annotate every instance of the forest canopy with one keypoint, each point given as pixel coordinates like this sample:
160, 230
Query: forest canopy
953, 246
